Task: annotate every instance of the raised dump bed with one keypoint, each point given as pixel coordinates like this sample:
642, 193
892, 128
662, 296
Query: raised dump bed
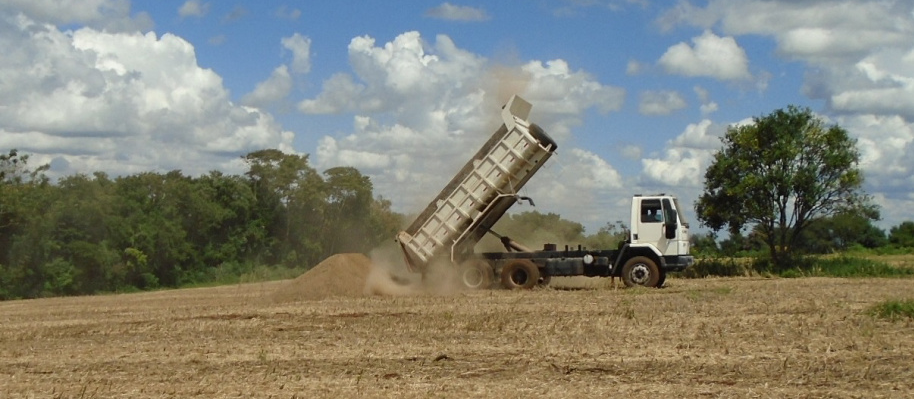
480, 193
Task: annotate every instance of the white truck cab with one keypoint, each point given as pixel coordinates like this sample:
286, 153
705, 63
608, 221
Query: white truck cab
658, 241
657, 222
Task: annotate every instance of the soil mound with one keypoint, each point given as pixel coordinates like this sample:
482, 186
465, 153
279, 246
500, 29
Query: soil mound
339, 275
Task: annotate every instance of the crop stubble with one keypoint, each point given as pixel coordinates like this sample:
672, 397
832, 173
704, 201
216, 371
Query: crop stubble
696, 338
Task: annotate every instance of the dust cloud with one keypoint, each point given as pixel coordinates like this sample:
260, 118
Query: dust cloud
384, 273
390, 276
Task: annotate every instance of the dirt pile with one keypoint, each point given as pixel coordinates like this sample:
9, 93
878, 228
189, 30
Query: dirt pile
355, 275
341, 275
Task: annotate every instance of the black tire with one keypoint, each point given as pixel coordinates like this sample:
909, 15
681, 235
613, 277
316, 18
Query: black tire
642, 271
520, 274
662, 279
544, 281
476, 274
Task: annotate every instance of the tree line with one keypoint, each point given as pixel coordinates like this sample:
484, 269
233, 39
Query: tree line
828, 235
89, 234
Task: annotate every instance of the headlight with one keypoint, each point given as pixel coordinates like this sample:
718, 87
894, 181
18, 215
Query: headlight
588, 259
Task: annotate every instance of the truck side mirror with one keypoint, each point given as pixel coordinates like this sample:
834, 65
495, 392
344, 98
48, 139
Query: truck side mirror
671, 226
670, 230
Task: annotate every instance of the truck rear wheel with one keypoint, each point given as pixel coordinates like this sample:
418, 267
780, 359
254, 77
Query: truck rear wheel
642, 271
476, 274
520, 273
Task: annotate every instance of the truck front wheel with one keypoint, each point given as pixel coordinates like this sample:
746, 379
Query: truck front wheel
642, 271
520, 273
476, 274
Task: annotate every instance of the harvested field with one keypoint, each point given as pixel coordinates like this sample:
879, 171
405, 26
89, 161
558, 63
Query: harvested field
736, 338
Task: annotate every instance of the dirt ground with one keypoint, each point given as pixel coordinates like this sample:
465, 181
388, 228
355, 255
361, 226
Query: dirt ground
735, 337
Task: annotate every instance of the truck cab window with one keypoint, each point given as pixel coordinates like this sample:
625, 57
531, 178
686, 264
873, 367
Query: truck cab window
651, 211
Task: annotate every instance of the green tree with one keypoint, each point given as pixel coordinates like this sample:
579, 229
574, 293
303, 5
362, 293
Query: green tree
77, 224
151, 221
779, 174
902, 235
290, 198
842, 231
704, 244
24, 198
609, 236
230, 229
347, 211
16, 181
383, 223
14, 170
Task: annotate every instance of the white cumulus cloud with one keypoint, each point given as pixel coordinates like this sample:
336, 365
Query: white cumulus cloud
707, 105
110, 15
422, 109
452, 12
685, 158
300, 46
660, 102
275, 88
122, 103
193, 8
711, 56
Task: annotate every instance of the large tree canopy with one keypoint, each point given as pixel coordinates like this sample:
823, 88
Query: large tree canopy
779, 174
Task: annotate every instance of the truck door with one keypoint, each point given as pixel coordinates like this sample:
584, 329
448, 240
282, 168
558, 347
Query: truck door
676, 228
650, 229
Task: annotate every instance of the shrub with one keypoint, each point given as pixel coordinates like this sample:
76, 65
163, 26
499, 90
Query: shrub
794, 265
799, 266
717, 266
848, 266
791, 273
893, 309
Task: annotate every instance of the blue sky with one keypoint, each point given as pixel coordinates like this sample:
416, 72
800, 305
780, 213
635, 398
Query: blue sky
637, 93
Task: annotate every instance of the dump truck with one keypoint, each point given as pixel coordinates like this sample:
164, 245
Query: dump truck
448, 229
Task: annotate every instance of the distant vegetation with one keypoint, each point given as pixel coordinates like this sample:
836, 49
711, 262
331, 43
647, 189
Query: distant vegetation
93, 234
856, 249
90, 234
